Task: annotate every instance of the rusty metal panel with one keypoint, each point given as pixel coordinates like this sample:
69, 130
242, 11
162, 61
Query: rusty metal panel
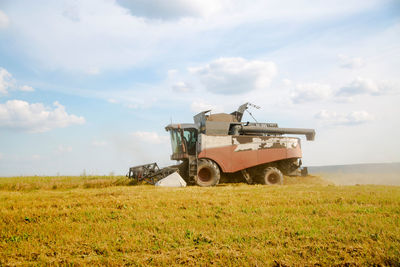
222, 117
235, 153
217, 127
231, 161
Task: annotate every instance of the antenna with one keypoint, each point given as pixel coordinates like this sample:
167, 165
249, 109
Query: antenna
254, 106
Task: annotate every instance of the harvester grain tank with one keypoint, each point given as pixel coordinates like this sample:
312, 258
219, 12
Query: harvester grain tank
220, 145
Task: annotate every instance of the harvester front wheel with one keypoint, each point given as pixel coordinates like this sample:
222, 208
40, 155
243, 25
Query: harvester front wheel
272, 176
208, 173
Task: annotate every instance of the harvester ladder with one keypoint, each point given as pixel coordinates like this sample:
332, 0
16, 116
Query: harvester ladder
192, 168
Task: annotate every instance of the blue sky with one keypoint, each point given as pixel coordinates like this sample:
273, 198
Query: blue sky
90, 85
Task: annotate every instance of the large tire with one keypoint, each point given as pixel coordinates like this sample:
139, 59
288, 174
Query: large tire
272, 176
208, 173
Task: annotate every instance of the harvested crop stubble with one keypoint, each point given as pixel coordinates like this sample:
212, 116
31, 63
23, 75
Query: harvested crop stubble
231, 224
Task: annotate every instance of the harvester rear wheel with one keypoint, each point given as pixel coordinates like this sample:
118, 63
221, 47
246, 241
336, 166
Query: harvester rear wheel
208, 173
272, 176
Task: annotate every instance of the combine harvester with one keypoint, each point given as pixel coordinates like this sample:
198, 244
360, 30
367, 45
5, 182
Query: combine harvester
221, 145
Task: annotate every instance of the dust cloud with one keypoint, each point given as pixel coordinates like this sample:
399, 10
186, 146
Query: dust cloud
378, 174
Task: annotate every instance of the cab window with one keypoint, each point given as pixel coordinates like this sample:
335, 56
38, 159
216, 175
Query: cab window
190, 136
176, 141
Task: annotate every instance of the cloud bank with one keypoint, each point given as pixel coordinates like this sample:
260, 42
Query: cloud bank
172, 9
311, 92
351, 118
235, 75
6, 81
351, 62
113, 35
362, 86
4, 21
314, 92
35, 118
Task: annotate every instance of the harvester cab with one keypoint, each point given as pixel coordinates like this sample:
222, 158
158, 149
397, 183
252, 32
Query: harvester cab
220, 144
183, 140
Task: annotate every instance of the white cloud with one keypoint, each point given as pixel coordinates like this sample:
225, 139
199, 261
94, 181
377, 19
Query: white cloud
272, 9
132, 105
112, 100
93, 71
64, 149
99, 143
6, 81
351, 118
343, 99
21, 115
199, 106
287, 82
150, 137
362, 86
311, 92
235, 75
172, 9
27, 88
181, 87
172, 72
351, 62
1, 156
4, 21
36, 157
71, 12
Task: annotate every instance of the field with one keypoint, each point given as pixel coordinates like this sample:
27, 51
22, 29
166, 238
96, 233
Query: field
104, 220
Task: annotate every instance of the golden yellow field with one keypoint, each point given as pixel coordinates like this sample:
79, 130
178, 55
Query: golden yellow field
104, 220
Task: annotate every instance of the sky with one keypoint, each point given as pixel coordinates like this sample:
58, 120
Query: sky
87, 86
